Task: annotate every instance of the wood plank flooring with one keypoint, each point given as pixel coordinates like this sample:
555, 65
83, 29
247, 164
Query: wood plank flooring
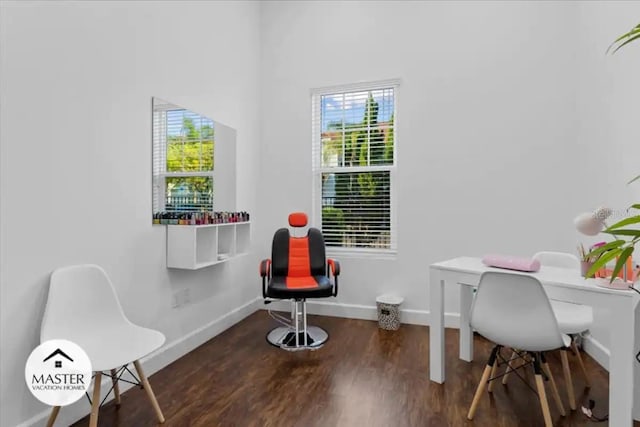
363, 376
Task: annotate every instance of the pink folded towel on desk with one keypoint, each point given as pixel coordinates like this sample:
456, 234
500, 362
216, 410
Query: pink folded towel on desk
512, 262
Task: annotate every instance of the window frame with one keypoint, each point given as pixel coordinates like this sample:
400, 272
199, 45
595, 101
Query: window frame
318, 169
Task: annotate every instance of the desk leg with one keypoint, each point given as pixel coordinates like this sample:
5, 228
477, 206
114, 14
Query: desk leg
621, 367
436, 327
466, 334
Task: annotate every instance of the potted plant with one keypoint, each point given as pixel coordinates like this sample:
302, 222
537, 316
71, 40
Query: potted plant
625, 232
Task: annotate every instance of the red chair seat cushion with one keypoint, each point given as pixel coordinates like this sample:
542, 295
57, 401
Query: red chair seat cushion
300, 287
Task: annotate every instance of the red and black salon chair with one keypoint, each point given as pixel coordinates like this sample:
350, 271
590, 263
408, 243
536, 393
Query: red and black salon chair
297, 270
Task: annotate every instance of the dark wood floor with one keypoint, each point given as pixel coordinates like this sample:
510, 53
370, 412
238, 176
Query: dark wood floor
363, 376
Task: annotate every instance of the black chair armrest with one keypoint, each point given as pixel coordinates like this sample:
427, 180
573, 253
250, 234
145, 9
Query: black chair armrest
333, 267
265, 267
265, 272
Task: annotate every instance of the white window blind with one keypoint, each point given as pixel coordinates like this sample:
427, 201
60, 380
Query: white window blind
183, 160
354, 160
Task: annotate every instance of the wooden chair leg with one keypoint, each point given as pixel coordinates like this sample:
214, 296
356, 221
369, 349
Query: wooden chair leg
494, 369
150, 395
542, 395
95, 400
568, 380
53, 416
513, 357
479, 390
116, 387
554, 388
483, 382
576, 350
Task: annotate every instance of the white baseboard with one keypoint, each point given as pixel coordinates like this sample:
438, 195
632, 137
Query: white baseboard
364, 312
596, 350
154, 362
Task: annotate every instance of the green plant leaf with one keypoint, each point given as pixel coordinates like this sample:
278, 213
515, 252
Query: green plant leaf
629, 40
637, 206
635, 233
627, 34
634, 179
626, 221
604, 248
626, 253
633, 31
602, 261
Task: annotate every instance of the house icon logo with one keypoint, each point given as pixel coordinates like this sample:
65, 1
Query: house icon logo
58, 372
58, 361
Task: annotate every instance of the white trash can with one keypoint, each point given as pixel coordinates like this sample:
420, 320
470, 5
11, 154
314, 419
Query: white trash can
389, 312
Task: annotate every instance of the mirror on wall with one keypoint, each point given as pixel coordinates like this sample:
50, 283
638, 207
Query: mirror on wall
194, 162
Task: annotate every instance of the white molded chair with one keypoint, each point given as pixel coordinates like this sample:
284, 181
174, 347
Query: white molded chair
573, 319
558, 259
513, 310
83, 307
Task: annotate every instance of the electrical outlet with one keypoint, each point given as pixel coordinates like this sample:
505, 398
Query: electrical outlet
181, 297
175, 299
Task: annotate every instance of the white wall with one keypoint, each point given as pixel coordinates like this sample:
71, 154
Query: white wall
77, 82
487, 155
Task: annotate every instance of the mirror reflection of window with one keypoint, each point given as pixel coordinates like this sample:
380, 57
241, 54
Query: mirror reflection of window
183, 159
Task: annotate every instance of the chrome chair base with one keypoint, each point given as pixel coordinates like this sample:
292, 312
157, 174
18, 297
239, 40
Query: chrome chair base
285, 338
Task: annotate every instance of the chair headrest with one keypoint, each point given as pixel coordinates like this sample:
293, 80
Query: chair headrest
298, 219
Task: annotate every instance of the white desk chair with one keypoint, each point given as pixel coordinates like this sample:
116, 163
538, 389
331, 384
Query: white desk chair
513, 311
558, 259
83, 307
573, 319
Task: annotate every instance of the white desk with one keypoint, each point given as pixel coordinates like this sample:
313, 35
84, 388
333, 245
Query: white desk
561, 284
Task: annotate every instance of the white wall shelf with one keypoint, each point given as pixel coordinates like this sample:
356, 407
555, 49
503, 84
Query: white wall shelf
192, 247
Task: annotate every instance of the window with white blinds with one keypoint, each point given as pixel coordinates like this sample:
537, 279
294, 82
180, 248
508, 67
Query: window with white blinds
354, 161
183, 152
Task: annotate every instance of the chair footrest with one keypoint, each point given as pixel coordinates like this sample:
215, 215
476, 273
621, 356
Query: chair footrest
285, 338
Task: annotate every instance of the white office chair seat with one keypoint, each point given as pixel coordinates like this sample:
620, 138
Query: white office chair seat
572, 318
96, 323
117, 345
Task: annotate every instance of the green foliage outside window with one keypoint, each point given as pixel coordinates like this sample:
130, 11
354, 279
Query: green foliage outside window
191, 151
333, 219
359, 215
